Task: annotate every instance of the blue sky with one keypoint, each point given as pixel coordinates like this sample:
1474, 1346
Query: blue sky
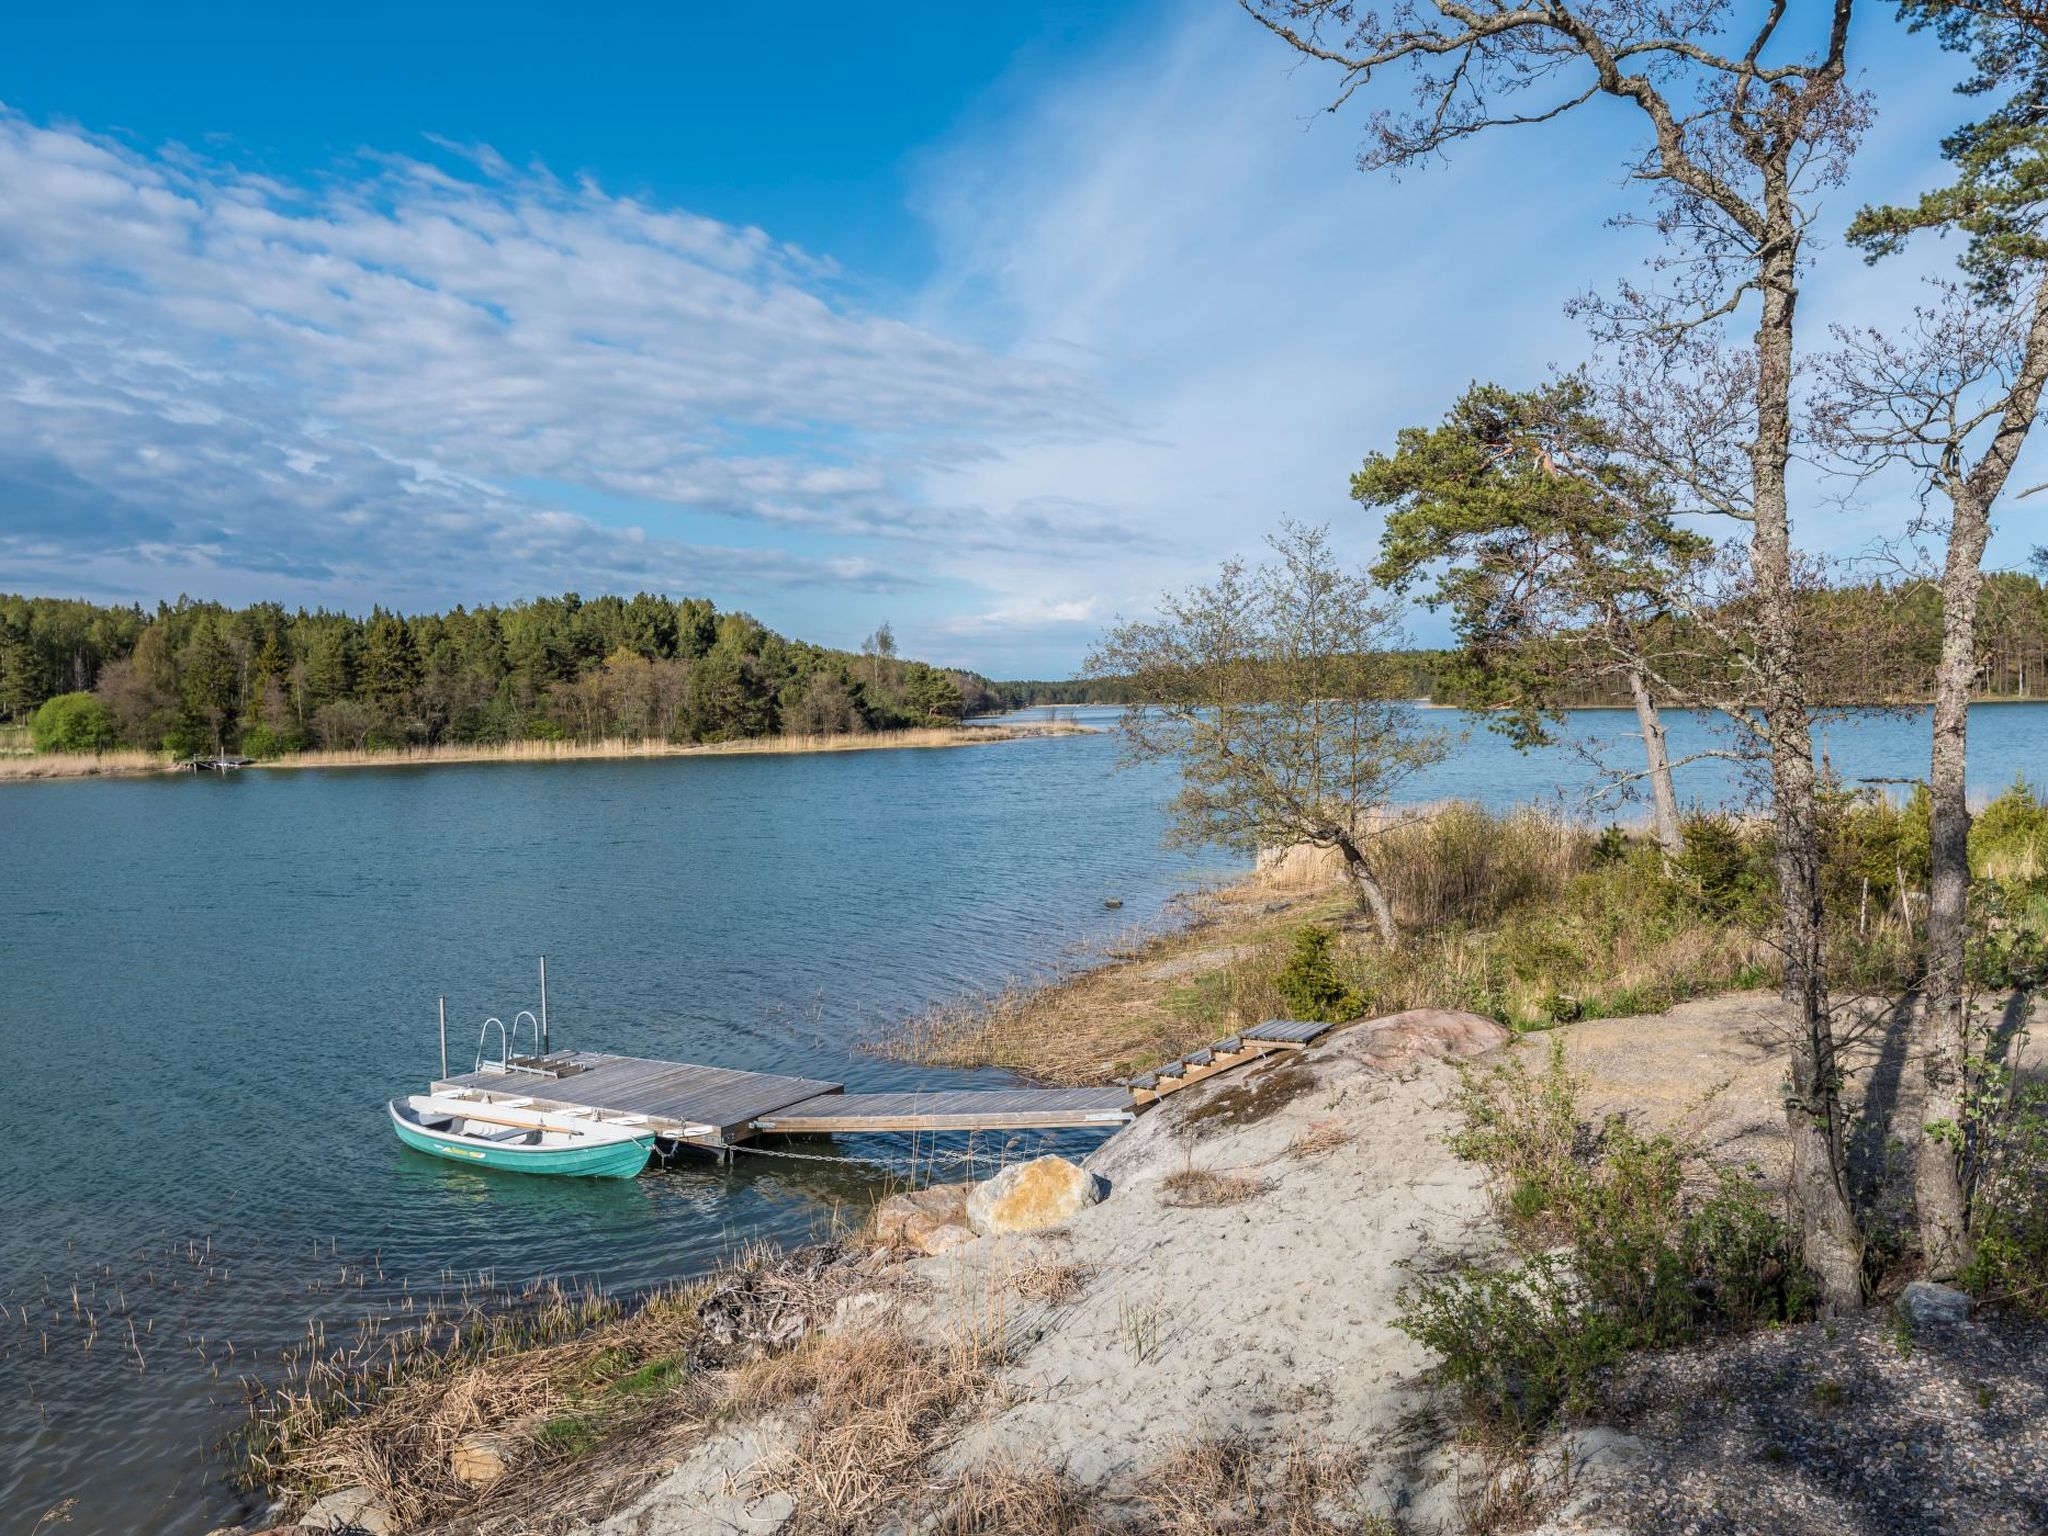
989, 321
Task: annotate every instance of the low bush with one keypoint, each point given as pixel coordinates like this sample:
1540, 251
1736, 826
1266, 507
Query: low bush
73, 722
2010, 1212
1310, 984
2009, 838
1618, 1252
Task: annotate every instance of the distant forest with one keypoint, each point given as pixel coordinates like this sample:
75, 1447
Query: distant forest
199, 677
265, 681
1881, 643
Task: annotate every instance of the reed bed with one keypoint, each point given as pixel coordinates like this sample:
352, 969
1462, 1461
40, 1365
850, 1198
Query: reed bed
79, 765
611, 748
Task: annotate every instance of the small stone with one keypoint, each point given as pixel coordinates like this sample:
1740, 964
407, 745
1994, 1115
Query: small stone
351, 1512
1029, 1197
1924, 1304
479, 1460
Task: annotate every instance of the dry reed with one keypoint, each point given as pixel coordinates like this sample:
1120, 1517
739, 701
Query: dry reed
61, 765
80, 765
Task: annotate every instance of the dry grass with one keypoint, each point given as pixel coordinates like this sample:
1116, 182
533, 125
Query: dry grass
63, 765
570, 1388
1207, 1188
79, 765
1158, 996
876, 1404
1319, 1139
1052, 1282
1234, 1487
1007, 1498
1516, 917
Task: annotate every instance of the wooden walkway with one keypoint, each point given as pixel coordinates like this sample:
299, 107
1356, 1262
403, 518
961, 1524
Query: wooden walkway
717, 1106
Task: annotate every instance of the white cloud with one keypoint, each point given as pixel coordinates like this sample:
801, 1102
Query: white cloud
397, 381
1185, 223
1166, 309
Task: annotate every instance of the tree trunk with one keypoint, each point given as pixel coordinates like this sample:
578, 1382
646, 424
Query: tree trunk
1371, 895
1944, 1045
1833, 1245
1663, 794
1939, 1189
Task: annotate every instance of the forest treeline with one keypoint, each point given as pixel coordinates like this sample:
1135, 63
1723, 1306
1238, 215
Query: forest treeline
1879, 644
265, 681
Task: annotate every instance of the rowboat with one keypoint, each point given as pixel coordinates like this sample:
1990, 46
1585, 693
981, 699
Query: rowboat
511, 1136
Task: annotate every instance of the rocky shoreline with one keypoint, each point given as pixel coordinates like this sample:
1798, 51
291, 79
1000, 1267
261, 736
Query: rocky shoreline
1192, 1331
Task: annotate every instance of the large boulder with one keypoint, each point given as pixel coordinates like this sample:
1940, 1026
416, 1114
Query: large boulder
1029, 1197
1924, 1304
927, 1221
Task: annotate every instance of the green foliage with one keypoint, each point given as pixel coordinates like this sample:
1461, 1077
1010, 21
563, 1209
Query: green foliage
1310, 983
1616, 1255
2010, 1209
1538, 531
1728, 866
2000, 161
198, 676
1873, 847
2009, 838
1519, 1346
569, 1435
264, 743
73, 722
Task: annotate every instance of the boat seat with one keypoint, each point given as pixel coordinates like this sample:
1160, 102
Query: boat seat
512, 1133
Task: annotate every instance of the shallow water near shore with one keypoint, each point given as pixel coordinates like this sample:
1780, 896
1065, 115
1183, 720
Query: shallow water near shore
209, 987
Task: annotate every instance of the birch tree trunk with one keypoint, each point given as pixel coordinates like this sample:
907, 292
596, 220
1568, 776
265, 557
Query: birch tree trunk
1833, 1244
1663, 794
1939, 1190
1938, 1193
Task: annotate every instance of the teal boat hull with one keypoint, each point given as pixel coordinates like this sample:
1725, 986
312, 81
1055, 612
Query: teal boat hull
616, 1160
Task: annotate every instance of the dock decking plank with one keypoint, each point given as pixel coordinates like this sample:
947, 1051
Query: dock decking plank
962, 1109
680, 1093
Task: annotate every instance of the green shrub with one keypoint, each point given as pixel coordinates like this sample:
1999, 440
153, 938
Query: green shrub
73, 722
1642, 1264
1728, 865
1518, 1345
2011, 1204
1869, 844
1527, 1132
260, 741
2009, 838
1310, 984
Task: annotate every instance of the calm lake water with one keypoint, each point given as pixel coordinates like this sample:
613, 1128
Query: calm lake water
209, 987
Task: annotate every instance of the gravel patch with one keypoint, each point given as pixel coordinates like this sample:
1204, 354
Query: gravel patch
1849, 1428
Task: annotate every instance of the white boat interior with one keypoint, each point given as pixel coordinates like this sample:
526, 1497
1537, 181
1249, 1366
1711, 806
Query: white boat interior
514, 1123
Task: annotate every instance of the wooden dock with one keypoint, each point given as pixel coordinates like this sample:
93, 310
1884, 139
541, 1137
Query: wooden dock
714, 1107
717, 1106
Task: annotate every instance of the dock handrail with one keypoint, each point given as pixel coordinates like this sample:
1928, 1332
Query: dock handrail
512, 1041
504, 1062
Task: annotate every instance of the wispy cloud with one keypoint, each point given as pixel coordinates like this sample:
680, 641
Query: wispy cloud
370, 386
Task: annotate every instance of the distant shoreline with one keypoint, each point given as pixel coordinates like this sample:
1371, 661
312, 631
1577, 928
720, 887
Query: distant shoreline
42, 767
